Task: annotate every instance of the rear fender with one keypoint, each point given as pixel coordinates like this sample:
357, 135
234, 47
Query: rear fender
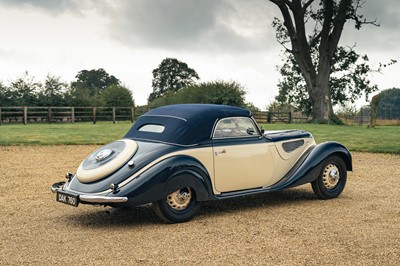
167, 176
307, 169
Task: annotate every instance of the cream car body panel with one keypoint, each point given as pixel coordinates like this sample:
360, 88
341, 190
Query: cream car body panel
284, 161
239, 167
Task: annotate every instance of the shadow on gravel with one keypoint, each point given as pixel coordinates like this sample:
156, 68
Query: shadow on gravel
141, 215
144, 215
277, 199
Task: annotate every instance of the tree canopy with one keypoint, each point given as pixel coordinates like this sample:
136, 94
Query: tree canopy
214, 92
23, 90
347, 83
53, 91
94, 81
117, 95
171, 76
389, 104
314, 51
92, 88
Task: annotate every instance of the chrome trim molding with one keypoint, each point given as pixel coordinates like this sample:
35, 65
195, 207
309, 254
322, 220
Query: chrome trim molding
90, 198
102, 199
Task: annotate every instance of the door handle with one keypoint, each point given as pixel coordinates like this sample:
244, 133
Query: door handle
219, 152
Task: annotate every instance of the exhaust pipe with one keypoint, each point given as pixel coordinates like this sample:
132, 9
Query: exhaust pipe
111, 211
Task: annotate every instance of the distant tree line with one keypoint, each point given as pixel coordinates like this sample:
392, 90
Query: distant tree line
174, 82
91, 88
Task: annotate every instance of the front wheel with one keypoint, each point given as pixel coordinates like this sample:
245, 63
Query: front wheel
332, 179
179, 206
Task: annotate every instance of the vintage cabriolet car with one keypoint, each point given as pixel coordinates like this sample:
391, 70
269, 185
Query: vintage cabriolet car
176, 157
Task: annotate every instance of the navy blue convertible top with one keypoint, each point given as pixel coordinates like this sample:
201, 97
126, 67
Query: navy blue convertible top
183, 124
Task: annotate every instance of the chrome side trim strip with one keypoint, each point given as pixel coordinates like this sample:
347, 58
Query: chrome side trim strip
102, 199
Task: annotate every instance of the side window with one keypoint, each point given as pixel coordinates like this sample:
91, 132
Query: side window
235, 127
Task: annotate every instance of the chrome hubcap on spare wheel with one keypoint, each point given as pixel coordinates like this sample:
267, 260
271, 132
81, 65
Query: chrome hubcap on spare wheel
179, 199
101, 155
331, 176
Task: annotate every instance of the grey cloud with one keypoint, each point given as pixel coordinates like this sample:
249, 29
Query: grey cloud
194, 25
183, 24
161, 22
49, 6
383, 38
386, 13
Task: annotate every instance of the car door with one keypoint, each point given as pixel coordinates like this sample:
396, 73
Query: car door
242, 157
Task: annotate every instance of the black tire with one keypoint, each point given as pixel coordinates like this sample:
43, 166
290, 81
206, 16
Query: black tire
178, 207
332, 179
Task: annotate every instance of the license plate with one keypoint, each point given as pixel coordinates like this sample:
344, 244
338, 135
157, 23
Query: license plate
66, 198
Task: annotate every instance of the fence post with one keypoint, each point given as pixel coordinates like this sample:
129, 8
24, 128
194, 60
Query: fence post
113, 115
25, 115
290, 117
269, 117
72, 114
49, 118
132, 114
94, 115
0, 117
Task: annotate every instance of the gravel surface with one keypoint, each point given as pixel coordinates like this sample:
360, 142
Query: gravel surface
292, 227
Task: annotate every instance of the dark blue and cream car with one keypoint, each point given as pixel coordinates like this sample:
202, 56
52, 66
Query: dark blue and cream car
176, 157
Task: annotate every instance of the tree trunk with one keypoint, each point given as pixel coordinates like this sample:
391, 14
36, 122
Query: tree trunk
322, 107
320, 93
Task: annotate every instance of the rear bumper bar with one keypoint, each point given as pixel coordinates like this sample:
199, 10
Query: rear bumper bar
90, 198
102, 199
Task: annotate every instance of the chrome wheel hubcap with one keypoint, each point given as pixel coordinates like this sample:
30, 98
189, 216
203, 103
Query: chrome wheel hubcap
101, 155
331, 176
179, 199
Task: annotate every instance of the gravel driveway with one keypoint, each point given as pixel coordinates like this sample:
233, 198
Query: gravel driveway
292, 227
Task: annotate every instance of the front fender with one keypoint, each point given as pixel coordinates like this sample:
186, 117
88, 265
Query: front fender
326, 149
167, 176
309, 166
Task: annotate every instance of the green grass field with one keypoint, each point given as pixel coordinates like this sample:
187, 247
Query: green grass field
384, 139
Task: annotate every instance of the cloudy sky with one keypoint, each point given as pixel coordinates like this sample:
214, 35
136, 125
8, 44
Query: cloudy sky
220, 39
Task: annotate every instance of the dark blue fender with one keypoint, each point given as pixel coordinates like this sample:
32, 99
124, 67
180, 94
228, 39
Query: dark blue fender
308, 168
165, 177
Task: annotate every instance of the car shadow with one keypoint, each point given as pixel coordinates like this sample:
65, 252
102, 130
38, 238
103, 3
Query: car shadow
109, 217
277, 199
144, 215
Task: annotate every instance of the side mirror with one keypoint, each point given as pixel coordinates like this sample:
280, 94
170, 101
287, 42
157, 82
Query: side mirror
250, 131
262, 130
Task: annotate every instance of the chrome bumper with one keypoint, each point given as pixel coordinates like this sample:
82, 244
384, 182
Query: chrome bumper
90, 198
102, 199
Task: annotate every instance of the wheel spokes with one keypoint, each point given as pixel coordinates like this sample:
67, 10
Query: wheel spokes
179, 199
331, 176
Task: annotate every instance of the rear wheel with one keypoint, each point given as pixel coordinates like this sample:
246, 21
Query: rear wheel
332, 179
179, 206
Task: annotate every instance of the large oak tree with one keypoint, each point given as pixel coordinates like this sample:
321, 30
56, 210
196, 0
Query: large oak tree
325, 20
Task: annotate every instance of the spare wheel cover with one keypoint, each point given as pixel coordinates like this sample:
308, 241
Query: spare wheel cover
106, 160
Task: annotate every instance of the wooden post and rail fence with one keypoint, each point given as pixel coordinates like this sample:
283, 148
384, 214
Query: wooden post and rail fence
27, 114
72, 114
